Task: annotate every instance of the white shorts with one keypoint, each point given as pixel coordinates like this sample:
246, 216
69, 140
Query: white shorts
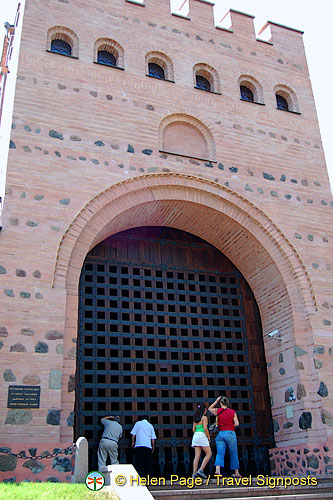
200, 439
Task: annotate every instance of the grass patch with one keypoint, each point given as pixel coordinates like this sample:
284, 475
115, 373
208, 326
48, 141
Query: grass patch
54, 491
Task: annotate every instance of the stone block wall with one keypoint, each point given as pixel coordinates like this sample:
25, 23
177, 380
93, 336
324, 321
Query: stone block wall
81, 129
29, 469
302, 460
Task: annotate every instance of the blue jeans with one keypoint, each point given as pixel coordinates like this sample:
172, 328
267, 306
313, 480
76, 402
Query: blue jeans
224, 439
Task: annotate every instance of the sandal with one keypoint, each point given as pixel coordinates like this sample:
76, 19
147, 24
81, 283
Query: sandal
237, 475
201, 474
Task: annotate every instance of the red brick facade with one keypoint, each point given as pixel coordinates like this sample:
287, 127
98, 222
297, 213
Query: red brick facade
89, 158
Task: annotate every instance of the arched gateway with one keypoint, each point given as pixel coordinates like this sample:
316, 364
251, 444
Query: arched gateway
244, 234
166, 321
85, 166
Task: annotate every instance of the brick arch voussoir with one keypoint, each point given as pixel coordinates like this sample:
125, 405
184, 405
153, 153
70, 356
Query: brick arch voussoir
81, 235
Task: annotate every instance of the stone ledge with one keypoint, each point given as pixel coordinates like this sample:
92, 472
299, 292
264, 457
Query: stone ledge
136, 3
127, 491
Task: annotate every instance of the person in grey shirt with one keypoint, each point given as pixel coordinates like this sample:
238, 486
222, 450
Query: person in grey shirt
108, 444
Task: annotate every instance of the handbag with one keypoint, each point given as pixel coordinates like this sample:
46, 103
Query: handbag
213, 429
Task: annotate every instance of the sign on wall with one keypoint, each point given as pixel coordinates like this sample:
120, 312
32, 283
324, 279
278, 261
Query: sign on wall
23, 396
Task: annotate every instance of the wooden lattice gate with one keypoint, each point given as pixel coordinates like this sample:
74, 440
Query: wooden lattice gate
165, 321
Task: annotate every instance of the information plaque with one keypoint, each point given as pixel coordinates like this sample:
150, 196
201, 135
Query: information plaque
23, 396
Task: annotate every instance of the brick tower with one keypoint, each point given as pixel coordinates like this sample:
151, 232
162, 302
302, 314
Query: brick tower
128, 116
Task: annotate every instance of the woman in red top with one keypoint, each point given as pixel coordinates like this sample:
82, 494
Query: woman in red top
227, 421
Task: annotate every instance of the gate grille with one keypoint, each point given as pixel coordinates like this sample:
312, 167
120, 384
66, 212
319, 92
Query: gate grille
156, 339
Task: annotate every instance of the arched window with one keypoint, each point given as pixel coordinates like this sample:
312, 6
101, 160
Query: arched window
105, 57
109, 53
156, 71
61, 47
202, 83
206, 78
250, 89
64, 41
246, 94
281, 103
159, 65
286, 98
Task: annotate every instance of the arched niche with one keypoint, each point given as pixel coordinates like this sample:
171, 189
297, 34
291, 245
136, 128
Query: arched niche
185, 135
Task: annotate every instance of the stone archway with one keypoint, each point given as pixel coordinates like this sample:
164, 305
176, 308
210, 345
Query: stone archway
223, 218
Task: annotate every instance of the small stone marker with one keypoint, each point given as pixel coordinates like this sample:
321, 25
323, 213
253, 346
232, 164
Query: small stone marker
81, 461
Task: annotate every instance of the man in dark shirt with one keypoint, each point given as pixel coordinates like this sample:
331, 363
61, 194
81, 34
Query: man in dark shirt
108, 444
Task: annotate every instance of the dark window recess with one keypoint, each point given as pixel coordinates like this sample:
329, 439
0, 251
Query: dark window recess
156, 71
105, 57
281, 103
246, 94
202, 83
61, 47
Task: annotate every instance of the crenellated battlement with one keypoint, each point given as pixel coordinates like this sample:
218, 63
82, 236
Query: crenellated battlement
283, 36
241, 23
201, 15
202, 10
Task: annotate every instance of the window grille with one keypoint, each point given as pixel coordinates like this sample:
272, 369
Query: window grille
246, 94
156, 71
105, 57
202, 83
281, 103
61, 47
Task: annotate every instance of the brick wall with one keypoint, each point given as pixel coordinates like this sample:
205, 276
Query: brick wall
85, 162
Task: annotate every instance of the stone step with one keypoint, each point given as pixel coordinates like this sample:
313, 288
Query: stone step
299, 496
322, 491
324, 484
